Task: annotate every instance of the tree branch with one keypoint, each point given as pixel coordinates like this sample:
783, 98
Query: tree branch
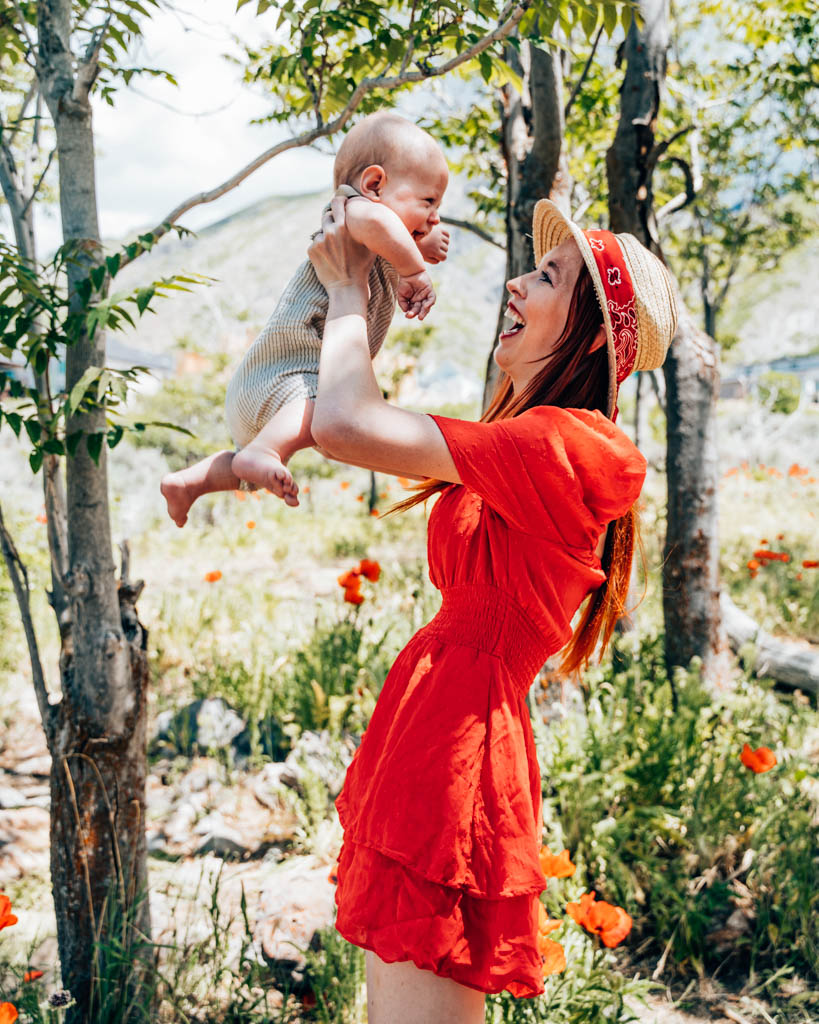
583, 75
469, 226
89, 66
36, 188
29, 96
655, 386
509, 18
684, 198
32, 49
19, 581
660, 148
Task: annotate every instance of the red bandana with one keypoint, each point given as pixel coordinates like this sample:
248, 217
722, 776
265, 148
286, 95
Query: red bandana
619, 298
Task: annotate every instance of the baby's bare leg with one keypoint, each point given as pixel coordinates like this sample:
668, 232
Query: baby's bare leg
181, 489
264, 461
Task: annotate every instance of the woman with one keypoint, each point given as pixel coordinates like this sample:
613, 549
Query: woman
439, 875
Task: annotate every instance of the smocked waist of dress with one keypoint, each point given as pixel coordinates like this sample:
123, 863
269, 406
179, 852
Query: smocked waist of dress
486, 618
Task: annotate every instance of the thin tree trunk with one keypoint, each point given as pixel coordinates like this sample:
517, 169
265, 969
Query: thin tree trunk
691, 564
98, 851
532, 128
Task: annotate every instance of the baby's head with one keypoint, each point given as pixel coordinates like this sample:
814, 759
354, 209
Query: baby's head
392, 161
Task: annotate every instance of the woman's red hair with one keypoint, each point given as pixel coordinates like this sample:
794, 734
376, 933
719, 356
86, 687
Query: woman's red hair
574, 377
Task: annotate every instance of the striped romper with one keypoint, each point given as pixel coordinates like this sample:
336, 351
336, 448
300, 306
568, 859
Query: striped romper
282, 363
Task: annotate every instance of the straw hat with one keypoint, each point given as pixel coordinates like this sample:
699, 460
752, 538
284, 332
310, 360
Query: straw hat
633, 287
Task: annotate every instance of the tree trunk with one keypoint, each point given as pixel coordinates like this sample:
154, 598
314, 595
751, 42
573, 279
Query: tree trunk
98, 853
537, 168
691, 564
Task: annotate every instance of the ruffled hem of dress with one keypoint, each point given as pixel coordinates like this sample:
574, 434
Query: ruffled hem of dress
486, 944
402, 858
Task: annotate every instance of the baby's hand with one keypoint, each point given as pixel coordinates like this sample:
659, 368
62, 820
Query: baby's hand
416, 296
433, 247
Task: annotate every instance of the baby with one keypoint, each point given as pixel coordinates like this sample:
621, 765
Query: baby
395, 176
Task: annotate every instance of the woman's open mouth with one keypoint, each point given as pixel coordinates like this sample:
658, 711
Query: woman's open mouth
515, 320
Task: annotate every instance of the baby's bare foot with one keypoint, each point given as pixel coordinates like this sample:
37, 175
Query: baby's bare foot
175, 492
265, 469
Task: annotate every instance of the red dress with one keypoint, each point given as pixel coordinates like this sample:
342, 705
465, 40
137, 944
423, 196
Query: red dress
441, 804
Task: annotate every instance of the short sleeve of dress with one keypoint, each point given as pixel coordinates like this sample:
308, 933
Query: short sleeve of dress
560, 474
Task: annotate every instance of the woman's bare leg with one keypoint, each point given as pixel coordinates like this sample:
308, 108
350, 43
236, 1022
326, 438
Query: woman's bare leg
401, 993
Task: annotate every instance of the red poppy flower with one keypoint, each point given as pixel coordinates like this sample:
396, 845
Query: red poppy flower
545, 925
308, 1000
350, 580
370, 569
374, 512
32, 975
8, 1013
333, 876
556, 866
6, 917
611, 923
760, 760
753, 565
213, 576
353, 596
810, 563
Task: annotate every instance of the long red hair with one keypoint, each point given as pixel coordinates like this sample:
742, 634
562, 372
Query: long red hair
573, 377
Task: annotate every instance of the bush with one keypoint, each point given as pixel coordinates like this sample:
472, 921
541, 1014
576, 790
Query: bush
651, 796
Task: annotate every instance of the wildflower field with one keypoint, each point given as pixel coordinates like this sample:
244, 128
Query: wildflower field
681, 821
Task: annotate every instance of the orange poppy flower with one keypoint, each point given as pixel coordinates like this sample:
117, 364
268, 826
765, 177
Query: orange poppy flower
6, 917
374, 512
731, 472
333, 876
760, 760
764, 540
41, 518
305, 489
212, 576
553, 957
350, 580
556, 867
353, 596
799, 575
404, 481
251, 524
780, 536
8, 1013
370, 569
611, 923
753, 565
345, 484
545, 925
810, 563
32, 975
240, 495
359, 497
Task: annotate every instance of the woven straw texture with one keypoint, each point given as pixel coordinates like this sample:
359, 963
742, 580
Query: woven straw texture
655, 300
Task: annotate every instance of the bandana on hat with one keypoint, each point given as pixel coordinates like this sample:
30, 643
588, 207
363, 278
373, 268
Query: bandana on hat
619, 299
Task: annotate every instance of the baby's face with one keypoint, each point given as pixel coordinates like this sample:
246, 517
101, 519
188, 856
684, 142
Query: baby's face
415, 195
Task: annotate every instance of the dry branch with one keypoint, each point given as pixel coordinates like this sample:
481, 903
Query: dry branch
788, 663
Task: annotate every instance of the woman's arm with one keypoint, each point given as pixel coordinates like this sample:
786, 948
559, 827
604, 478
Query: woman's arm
351, 419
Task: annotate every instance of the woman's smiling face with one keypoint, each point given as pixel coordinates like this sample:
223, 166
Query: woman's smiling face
537, 312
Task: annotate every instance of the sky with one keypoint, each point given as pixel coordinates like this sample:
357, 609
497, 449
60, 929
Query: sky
150, 157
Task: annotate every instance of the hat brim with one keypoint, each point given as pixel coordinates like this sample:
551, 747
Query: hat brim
550, 227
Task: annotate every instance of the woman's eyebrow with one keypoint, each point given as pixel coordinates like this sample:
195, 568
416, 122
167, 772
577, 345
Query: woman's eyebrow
554, 266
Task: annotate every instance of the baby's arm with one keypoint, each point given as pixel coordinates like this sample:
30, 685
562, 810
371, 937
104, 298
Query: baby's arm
384, 233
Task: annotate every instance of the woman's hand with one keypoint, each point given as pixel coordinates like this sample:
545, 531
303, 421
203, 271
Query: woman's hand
340, 262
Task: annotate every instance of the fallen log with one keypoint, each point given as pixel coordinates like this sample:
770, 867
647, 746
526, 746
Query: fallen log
791, 664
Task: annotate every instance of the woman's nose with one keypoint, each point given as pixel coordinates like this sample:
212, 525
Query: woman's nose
513, 286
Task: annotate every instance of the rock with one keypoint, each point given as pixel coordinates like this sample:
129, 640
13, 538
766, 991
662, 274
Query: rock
10, 798
320, 754
298, 900
205, 725
228, 847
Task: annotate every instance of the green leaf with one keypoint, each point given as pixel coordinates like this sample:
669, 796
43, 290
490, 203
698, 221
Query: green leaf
35, 459
34, 430
112, 263
72, 441
15, 421
78, 391
115, 435
93, 442
143, 297
97, 276
54, 446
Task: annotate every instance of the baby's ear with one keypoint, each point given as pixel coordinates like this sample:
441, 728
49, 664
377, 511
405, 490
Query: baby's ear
373, 180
